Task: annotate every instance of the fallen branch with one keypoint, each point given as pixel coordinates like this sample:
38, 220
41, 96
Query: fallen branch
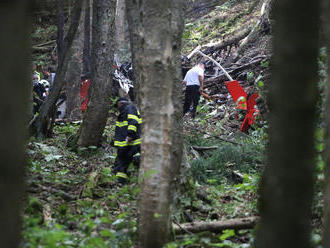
196, 155
215, 136
204, 148
216, 226
46, 43
42, 49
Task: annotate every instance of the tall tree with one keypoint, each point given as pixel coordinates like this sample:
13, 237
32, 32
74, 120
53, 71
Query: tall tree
287, 185
120, 23
87, 39
74, 71
15, 85
45, 120
161, 107
134, 27
326, 219
102, 69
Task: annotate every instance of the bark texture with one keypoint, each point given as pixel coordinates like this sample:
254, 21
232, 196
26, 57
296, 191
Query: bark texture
45, 120
326, 214
120, 24
75, 66
87, 38
133, 9
15, 87
287, 185
102, 54
162, 23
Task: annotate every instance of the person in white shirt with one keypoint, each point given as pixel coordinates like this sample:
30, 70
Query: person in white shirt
194, 86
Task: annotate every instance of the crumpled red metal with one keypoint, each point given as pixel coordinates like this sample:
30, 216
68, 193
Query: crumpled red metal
84, 86
239, 95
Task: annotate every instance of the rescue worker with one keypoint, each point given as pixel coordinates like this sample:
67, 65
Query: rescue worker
127, 138
194, 87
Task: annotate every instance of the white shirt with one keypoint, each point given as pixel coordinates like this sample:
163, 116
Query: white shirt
192, 75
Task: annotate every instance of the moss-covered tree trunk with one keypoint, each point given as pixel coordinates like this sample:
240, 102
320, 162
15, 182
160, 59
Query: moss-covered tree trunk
102, 68
287, 185
15, 86
162, 27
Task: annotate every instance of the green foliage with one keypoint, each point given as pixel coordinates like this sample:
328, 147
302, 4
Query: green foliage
228, 239
222, 22
226, 159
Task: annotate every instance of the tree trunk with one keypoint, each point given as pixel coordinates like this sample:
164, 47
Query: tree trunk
162, 117
120, 24
326, 214
73, 74
134, 27
102, 54
45, 120
15, 87
87, 39
287, 185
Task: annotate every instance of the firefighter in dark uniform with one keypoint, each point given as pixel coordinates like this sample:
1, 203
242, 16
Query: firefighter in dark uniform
127, 138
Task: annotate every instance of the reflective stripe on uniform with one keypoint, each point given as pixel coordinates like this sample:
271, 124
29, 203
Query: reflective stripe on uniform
121, 124
122, 175
120, 143
137, 155
134, 117
132, 128
124, 143
135, 142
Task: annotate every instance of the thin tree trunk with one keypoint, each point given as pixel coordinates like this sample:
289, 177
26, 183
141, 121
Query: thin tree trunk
162, 115
44, 122
120, 24
287, 185
87, 39
15, 87
60, 28
134, 27
102, 69
73, 74
326, 214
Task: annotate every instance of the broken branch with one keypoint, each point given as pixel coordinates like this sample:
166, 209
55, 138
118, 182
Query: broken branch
216, 226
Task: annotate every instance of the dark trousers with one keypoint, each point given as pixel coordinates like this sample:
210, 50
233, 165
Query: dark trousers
125, 156
192, 96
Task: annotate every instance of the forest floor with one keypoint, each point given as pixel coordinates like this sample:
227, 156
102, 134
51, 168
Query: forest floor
73, 200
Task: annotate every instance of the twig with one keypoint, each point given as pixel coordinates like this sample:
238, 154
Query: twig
182, 228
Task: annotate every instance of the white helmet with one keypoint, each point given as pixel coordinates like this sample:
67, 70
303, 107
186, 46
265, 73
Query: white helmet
45, 83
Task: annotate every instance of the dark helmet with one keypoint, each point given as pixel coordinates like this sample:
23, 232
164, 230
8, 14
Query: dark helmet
121, 99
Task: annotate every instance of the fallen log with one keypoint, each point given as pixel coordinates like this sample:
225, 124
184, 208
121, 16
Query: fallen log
216, 226
204, 148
